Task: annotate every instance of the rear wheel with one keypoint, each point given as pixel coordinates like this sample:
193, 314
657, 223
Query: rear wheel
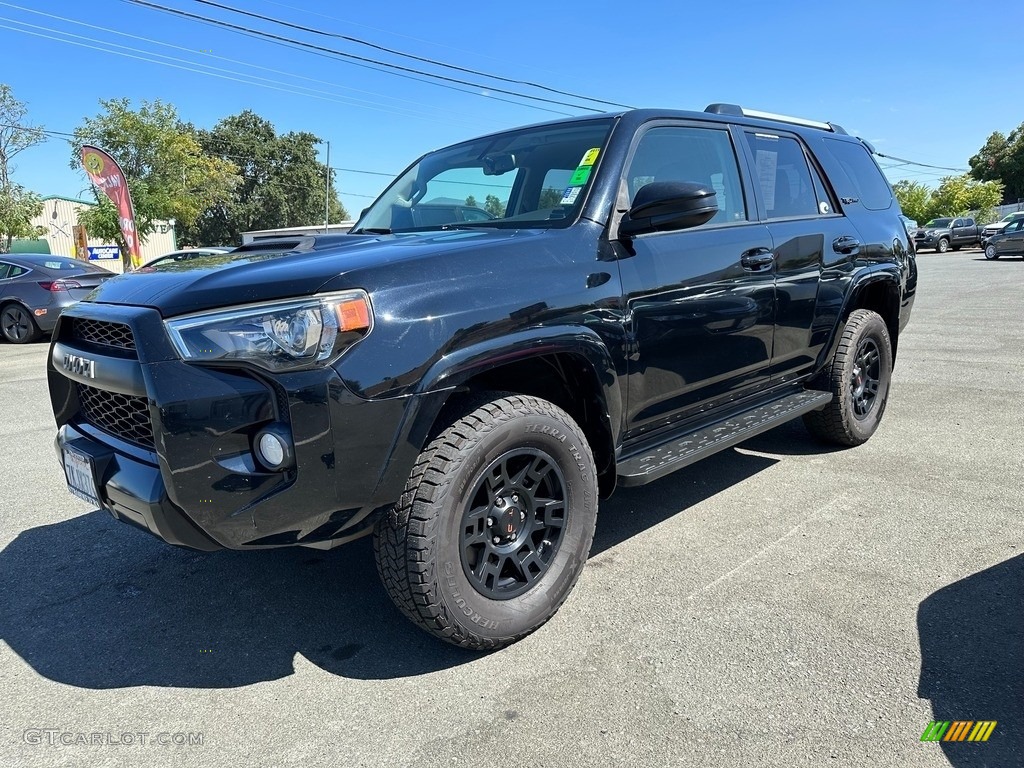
990, 252
495, 524
17, 324
859, 380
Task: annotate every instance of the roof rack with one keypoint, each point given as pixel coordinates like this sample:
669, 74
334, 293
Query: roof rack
736, 109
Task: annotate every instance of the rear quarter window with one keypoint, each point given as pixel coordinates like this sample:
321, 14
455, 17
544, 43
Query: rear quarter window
864, 179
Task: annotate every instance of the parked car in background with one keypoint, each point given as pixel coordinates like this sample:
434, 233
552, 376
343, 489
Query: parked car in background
910, 224
945, 234
1008, 242
997, 226
34, 288
177, 257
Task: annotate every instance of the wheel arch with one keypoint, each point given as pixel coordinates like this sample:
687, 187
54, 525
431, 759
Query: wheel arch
878, 292
570, 367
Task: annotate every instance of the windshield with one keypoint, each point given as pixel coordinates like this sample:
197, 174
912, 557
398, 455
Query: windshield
535, 177
939, 223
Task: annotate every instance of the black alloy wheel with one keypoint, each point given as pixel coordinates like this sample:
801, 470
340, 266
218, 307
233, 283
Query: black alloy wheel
864, 379
513, 523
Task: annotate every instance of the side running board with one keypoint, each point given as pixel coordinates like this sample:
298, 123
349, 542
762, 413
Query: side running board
678, 452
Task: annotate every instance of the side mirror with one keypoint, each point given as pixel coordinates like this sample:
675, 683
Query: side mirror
668, 205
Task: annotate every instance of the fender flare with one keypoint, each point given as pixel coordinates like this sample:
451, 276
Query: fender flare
451, 371
860, 282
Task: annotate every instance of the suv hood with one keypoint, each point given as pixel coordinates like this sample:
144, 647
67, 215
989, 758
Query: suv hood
253, 276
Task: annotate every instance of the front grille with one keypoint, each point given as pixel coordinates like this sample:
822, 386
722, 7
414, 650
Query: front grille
124, 416
103, 333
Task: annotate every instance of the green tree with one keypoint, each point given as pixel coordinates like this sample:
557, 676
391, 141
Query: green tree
1002, 159
168, 174
550, 198
914, 199
17, 205
494, 206
17, 209
958, 195
282, 184
471, 201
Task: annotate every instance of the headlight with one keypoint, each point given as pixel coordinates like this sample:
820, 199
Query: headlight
277, 335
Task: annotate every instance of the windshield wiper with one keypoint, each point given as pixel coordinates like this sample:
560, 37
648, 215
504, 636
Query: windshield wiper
371, 231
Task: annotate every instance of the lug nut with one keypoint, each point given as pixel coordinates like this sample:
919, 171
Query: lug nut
490, 521
500, 502
496, 540
515, 497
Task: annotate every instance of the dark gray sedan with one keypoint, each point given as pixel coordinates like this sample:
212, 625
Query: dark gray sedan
1008, 242
34, 288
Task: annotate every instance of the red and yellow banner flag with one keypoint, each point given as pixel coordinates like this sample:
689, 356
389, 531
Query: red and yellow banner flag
106, 174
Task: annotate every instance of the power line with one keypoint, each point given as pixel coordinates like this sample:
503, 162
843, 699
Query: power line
922, 165
351, 57
192, 50
219, 72
394, 52
247, 64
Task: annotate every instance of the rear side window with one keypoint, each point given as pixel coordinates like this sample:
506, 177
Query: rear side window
870, 186
787, 187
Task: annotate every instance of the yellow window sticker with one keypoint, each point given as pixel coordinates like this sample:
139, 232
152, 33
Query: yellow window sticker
591, 157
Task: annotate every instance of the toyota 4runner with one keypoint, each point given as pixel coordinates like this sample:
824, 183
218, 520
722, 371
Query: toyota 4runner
649, 287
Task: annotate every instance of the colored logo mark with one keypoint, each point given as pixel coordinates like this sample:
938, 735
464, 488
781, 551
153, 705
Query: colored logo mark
958, 730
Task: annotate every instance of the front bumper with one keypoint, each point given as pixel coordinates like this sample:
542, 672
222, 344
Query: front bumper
171, 444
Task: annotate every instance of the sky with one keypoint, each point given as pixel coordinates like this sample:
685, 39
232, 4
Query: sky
919, 82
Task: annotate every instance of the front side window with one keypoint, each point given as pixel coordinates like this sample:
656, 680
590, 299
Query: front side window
698, 155
533, 177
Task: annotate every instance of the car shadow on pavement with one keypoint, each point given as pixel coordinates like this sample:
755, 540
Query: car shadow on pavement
972, 641
95, 603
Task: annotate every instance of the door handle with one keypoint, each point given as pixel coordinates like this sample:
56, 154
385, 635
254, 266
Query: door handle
757, 260
846, 245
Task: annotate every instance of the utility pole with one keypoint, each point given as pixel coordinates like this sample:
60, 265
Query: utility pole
327, 191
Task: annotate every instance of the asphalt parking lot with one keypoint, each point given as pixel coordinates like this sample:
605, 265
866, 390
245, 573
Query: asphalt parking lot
778, 604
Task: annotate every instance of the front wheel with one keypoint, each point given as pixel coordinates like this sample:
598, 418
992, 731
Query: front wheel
859, 380
17, 324
943, 245
494, 526
990, 252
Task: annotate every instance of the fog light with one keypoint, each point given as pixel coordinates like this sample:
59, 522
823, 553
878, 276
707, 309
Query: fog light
274, 447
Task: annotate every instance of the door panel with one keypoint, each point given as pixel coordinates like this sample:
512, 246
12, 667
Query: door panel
703, 323
700, 301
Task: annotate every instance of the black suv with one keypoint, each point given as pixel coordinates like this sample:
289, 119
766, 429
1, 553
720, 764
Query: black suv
654, 286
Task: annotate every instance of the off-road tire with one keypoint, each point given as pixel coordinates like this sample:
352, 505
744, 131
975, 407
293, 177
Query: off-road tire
420, 545
847, 420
